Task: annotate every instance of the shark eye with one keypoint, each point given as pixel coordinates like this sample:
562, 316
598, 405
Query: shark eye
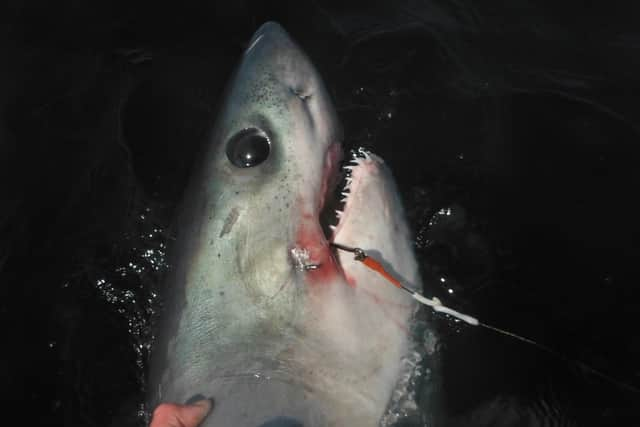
248, 148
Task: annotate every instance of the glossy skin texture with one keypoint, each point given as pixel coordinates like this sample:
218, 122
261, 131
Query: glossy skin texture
274, 344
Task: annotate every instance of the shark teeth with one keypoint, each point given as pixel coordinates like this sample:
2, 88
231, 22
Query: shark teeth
334, 213
360, 153
366, 154
358, 157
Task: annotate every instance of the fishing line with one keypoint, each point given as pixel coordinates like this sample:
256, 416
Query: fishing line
436, 305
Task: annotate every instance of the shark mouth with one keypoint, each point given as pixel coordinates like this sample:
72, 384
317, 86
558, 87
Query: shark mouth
313, 252
337, 195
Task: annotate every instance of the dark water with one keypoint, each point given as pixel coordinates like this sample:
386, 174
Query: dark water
513, 131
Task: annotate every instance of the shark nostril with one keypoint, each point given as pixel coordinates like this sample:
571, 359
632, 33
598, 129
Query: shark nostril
282, 422
300, 93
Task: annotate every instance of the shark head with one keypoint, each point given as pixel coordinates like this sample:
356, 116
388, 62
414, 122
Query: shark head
262, 314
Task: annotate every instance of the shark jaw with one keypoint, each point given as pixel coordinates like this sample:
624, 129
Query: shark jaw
247, 322
347, 207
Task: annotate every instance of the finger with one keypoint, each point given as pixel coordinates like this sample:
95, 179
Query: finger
172, 415
192, 415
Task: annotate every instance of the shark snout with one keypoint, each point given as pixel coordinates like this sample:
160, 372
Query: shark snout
274, 50
271, 30
287, 71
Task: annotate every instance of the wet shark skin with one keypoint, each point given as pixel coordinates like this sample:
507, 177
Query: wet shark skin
240, 322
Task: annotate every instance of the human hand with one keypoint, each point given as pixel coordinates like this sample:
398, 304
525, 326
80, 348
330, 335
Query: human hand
188, 415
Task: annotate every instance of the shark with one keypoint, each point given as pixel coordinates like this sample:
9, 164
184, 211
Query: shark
261, 312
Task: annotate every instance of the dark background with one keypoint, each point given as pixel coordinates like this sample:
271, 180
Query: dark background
519, 118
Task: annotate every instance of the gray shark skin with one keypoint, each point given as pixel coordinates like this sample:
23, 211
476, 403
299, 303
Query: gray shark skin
274, 343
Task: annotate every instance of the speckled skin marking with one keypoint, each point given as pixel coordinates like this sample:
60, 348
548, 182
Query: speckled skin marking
241, 323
